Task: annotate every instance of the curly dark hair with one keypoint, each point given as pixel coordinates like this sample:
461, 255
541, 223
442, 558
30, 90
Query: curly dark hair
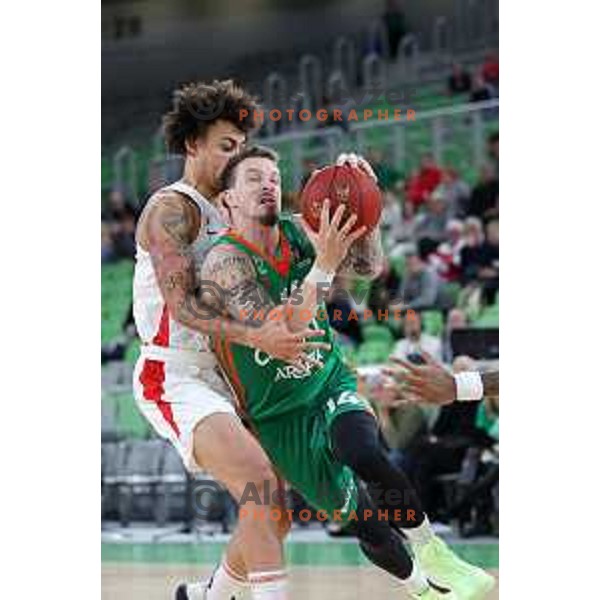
226, 179
196, 106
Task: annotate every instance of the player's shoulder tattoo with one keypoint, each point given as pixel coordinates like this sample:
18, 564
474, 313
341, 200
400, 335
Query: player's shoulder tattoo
174, 217
234, 272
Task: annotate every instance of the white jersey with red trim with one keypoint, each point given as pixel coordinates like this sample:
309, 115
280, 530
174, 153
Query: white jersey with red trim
154, 324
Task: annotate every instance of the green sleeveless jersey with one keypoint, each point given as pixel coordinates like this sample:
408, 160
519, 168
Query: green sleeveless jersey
267, 387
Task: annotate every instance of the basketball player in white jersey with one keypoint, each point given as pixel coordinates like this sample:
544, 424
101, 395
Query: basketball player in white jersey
176, 384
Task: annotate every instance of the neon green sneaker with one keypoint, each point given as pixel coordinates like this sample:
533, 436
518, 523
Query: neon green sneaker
431, 594
447, 570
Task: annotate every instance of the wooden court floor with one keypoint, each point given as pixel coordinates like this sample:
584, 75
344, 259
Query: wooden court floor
130, 581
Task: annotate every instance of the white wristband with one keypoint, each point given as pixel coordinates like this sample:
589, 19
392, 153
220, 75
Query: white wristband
469, 386
317, 276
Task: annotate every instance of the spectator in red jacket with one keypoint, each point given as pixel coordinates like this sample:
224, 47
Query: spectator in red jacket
424, 181
491, 70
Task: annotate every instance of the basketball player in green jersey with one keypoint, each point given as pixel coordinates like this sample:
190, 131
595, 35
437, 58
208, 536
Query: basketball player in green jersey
319, 433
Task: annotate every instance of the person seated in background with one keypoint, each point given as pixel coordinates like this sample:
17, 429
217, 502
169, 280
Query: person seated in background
415, 342
459, 81
481, 91
457, 319
107, 247
484, 198
384, 289
387, 176
431, 222
391, 220
443, 449
446, 258
480, 263
421, 286
489, 267
490, 71
120, 218
423, 181
455, 191
493, 151
401, 423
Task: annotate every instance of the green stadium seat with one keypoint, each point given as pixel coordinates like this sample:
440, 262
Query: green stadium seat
377, 333
131, 423
433, 322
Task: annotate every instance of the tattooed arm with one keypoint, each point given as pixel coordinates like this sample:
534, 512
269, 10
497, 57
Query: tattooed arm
170, 228
365, 257
246, 300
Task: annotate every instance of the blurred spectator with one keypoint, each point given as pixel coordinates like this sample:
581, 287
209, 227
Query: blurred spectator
488, 417
420, 286
409, 221
490, 72
431, 223
416, 342
394, 21
118, 208
489, 270
107, 246
480, 262
120, 219
387, 176
420, 185
124, 237
459, 81
308, 167
494, 152
401, 423
482, 91
391, 220
456, 192
384, 289
443, 450
446, 258
457, 319
484, 198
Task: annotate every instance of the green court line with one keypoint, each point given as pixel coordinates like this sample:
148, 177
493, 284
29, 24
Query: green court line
328, 554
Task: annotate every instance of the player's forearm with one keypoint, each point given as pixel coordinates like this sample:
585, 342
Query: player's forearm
365, 257
207, 321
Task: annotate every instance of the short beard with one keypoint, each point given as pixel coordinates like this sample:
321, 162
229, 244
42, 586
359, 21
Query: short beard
269, 220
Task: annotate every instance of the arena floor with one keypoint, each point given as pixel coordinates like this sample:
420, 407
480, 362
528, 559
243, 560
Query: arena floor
157, 582
321, 568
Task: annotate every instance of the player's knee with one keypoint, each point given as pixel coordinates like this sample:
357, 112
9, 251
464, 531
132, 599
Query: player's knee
262, 479
281, 525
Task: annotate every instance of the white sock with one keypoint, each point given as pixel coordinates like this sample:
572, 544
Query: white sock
268, 585
418, 536
416, 583
225, 584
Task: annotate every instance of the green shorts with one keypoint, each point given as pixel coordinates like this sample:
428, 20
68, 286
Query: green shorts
299, 446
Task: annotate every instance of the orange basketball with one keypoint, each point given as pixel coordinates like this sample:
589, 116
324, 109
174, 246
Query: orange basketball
346, 185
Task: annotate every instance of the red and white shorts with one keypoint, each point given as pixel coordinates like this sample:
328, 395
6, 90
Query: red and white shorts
175, 390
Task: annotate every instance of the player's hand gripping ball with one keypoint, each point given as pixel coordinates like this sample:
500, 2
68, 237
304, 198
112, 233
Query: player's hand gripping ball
347, 184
